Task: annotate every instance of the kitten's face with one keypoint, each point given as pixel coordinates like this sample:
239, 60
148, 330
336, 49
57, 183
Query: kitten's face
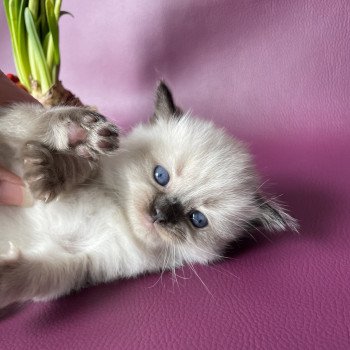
189, 185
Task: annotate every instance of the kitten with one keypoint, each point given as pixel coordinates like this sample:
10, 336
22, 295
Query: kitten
178, 190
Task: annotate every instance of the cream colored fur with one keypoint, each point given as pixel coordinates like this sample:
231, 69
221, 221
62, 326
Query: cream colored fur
101, 230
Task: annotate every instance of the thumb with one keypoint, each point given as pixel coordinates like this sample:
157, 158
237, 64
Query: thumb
14, 194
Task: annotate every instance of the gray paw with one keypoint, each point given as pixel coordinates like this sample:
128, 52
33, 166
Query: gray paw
40, 172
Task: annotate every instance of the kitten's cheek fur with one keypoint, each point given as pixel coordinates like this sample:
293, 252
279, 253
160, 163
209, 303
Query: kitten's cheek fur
162, 234
146, 221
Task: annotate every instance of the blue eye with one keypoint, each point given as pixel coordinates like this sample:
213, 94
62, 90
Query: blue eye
198, 219
161, 175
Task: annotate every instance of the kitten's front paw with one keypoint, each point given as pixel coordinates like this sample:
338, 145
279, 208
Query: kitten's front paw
90, 134
40, 172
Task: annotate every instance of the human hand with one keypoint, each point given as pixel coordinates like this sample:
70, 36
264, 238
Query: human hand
12, 190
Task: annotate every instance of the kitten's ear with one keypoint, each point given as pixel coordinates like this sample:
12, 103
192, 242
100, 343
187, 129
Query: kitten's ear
272, 216
164, 105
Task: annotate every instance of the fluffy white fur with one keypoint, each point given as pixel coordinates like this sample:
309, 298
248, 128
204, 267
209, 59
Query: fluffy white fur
101, 229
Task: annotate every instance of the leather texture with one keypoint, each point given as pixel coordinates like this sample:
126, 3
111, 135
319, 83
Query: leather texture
277, 75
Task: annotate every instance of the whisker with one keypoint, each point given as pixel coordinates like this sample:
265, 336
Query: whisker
217, 269
244, 229
174, 279
256, 228
217, 255
224, 271
165, 261
195, 272
267, 200
205, 286
262, 185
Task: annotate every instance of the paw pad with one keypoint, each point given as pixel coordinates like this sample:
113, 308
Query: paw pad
90, 134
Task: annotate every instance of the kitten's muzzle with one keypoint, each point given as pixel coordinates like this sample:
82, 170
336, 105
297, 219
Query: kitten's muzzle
166, 210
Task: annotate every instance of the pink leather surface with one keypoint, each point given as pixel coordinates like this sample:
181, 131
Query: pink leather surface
276, 74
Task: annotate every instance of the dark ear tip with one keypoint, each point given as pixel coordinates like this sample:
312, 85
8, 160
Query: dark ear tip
165, 107
161, 82
162, 87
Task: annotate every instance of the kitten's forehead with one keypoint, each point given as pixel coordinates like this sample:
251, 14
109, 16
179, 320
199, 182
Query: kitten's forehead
203, 160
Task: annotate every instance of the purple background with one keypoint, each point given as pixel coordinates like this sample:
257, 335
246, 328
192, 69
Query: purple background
276, 74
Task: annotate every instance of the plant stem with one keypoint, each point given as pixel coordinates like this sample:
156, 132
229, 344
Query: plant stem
33, 39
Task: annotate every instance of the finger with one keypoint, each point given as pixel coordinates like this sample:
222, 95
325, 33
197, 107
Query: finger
14, 194
10, 177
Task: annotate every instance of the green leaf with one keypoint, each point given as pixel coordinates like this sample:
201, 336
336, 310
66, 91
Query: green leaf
57, 9
13, 12
46, 43
22, 41
34, 8
33, 40
33, 64
54, 73
53, 26
12, 34
44, 28
34, 31
50, 52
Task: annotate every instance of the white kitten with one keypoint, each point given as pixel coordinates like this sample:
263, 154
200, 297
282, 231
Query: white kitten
178, 190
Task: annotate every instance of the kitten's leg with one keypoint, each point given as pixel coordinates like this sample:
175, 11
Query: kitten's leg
73, 129
50, 173
43, 276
